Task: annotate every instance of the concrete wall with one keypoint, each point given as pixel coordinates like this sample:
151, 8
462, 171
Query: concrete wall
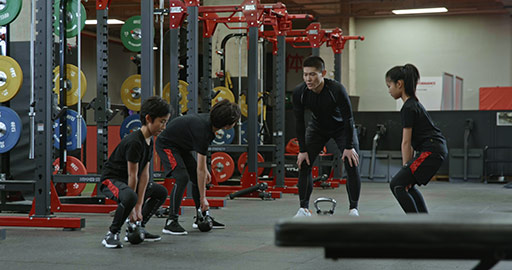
476, 48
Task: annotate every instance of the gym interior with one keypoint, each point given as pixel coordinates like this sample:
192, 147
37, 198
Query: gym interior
89, 73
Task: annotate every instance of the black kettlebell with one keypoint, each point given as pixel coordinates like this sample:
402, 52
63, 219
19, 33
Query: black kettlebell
204, 221
135, 233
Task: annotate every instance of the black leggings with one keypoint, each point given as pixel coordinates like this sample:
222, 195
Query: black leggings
315, 141
127, 198
182, 166
418, 171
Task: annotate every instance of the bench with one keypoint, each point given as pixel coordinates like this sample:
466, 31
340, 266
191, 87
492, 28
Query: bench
487, 238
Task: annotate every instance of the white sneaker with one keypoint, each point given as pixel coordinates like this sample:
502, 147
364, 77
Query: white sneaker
353, 212
303, 212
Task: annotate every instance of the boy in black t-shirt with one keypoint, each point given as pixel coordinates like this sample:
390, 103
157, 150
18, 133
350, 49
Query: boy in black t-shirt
125, 177
183, 135
419, 134
332, 119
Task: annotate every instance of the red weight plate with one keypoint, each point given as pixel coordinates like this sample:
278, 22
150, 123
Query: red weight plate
73, 166
223, 166
242, 160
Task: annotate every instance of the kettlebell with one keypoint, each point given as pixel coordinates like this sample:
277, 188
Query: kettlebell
204, 221
329, 212
135, 233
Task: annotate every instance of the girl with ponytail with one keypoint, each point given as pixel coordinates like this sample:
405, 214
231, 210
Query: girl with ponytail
418, 134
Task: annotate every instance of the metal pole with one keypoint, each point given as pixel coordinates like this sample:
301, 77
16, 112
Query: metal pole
192, 57
315, 51
147, 55
279, 126
161, 77
43, 81
207, 71
337, 163
32, 112
63, 86
101, 103
252, 100
79, 56
173, 69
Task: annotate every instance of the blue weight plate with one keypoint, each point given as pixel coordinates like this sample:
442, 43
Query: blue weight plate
129, 125
223, 136
244, 132
72, 126
10, 129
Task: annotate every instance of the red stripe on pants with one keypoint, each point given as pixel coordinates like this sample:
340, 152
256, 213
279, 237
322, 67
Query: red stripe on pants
171, 158
414, 166
112, 188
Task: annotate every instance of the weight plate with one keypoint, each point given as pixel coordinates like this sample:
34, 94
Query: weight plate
73, 166
223, 166
221, 93
10, 129
242, 160
244, 108
9, 10
244, 132
130, 92
72, 127
130, 124
131, 34
183, 93
71, 17
11, 78
72, 79
224, 136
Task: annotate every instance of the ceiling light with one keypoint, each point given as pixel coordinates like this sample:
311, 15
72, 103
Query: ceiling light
419, 10
109, 21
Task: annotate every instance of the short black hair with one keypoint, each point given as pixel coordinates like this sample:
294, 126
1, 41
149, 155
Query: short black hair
314, 61
224, 113
155, 107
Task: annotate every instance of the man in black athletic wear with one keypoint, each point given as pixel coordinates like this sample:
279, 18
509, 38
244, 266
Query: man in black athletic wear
331, 118
184, 134
125, 177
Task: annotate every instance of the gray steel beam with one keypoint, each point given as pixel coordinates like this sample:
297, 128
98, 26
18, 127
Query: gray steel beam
252, 100
337, 163
207, 78
337, 67
315, 52
42, 83
101, 103
192, 57
279, 111
147, 56
174, 70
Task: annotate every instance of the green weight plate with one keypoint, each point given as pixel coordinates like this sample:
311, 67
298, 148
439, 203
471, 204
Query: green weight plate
72, 18
9, 11
131, 34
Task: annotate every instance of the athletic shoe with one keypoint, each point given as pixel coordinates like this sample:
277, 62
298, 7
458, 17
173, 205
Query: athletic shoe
111, 240
353, 212
216, 224
173, 227
149, 237
303, 212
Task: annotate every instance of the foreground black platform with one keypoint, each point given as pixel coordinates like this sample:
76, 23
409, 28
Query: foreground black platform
487, 238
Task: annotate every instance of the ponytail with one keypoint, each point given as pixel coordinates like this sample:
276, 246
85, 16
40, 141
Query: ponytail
409, 74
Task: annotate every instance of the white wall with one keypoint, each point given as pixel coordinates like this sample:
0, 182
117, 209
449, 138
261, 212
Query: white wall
475, 47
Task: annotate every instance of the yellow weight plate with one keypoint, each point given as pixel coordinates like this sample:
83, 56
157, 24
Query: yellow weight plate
72, 78
243, 107
183, 94
223, 93
130, 92
11, 78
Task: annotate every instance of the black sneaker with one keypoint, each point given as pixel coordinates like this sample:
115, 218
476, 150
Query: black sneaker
111, 240
149, 237
216, 224
173, 227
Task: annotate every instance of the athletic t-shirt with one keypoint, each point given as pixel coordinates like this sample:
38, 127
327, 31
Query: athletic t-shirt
331, 110
191, 132
425, 135
132, 148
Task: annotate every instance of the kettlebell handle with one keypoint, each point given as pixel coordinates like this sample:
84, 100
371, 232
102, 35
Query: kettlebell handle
324, 199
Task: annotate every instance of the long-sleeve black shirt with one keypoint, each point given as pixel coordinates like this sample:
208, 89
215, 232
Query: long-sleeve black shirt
331, 111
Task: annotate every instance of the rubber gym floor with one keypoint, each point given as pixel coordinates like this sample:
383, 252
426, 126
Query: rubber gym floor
248, 240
